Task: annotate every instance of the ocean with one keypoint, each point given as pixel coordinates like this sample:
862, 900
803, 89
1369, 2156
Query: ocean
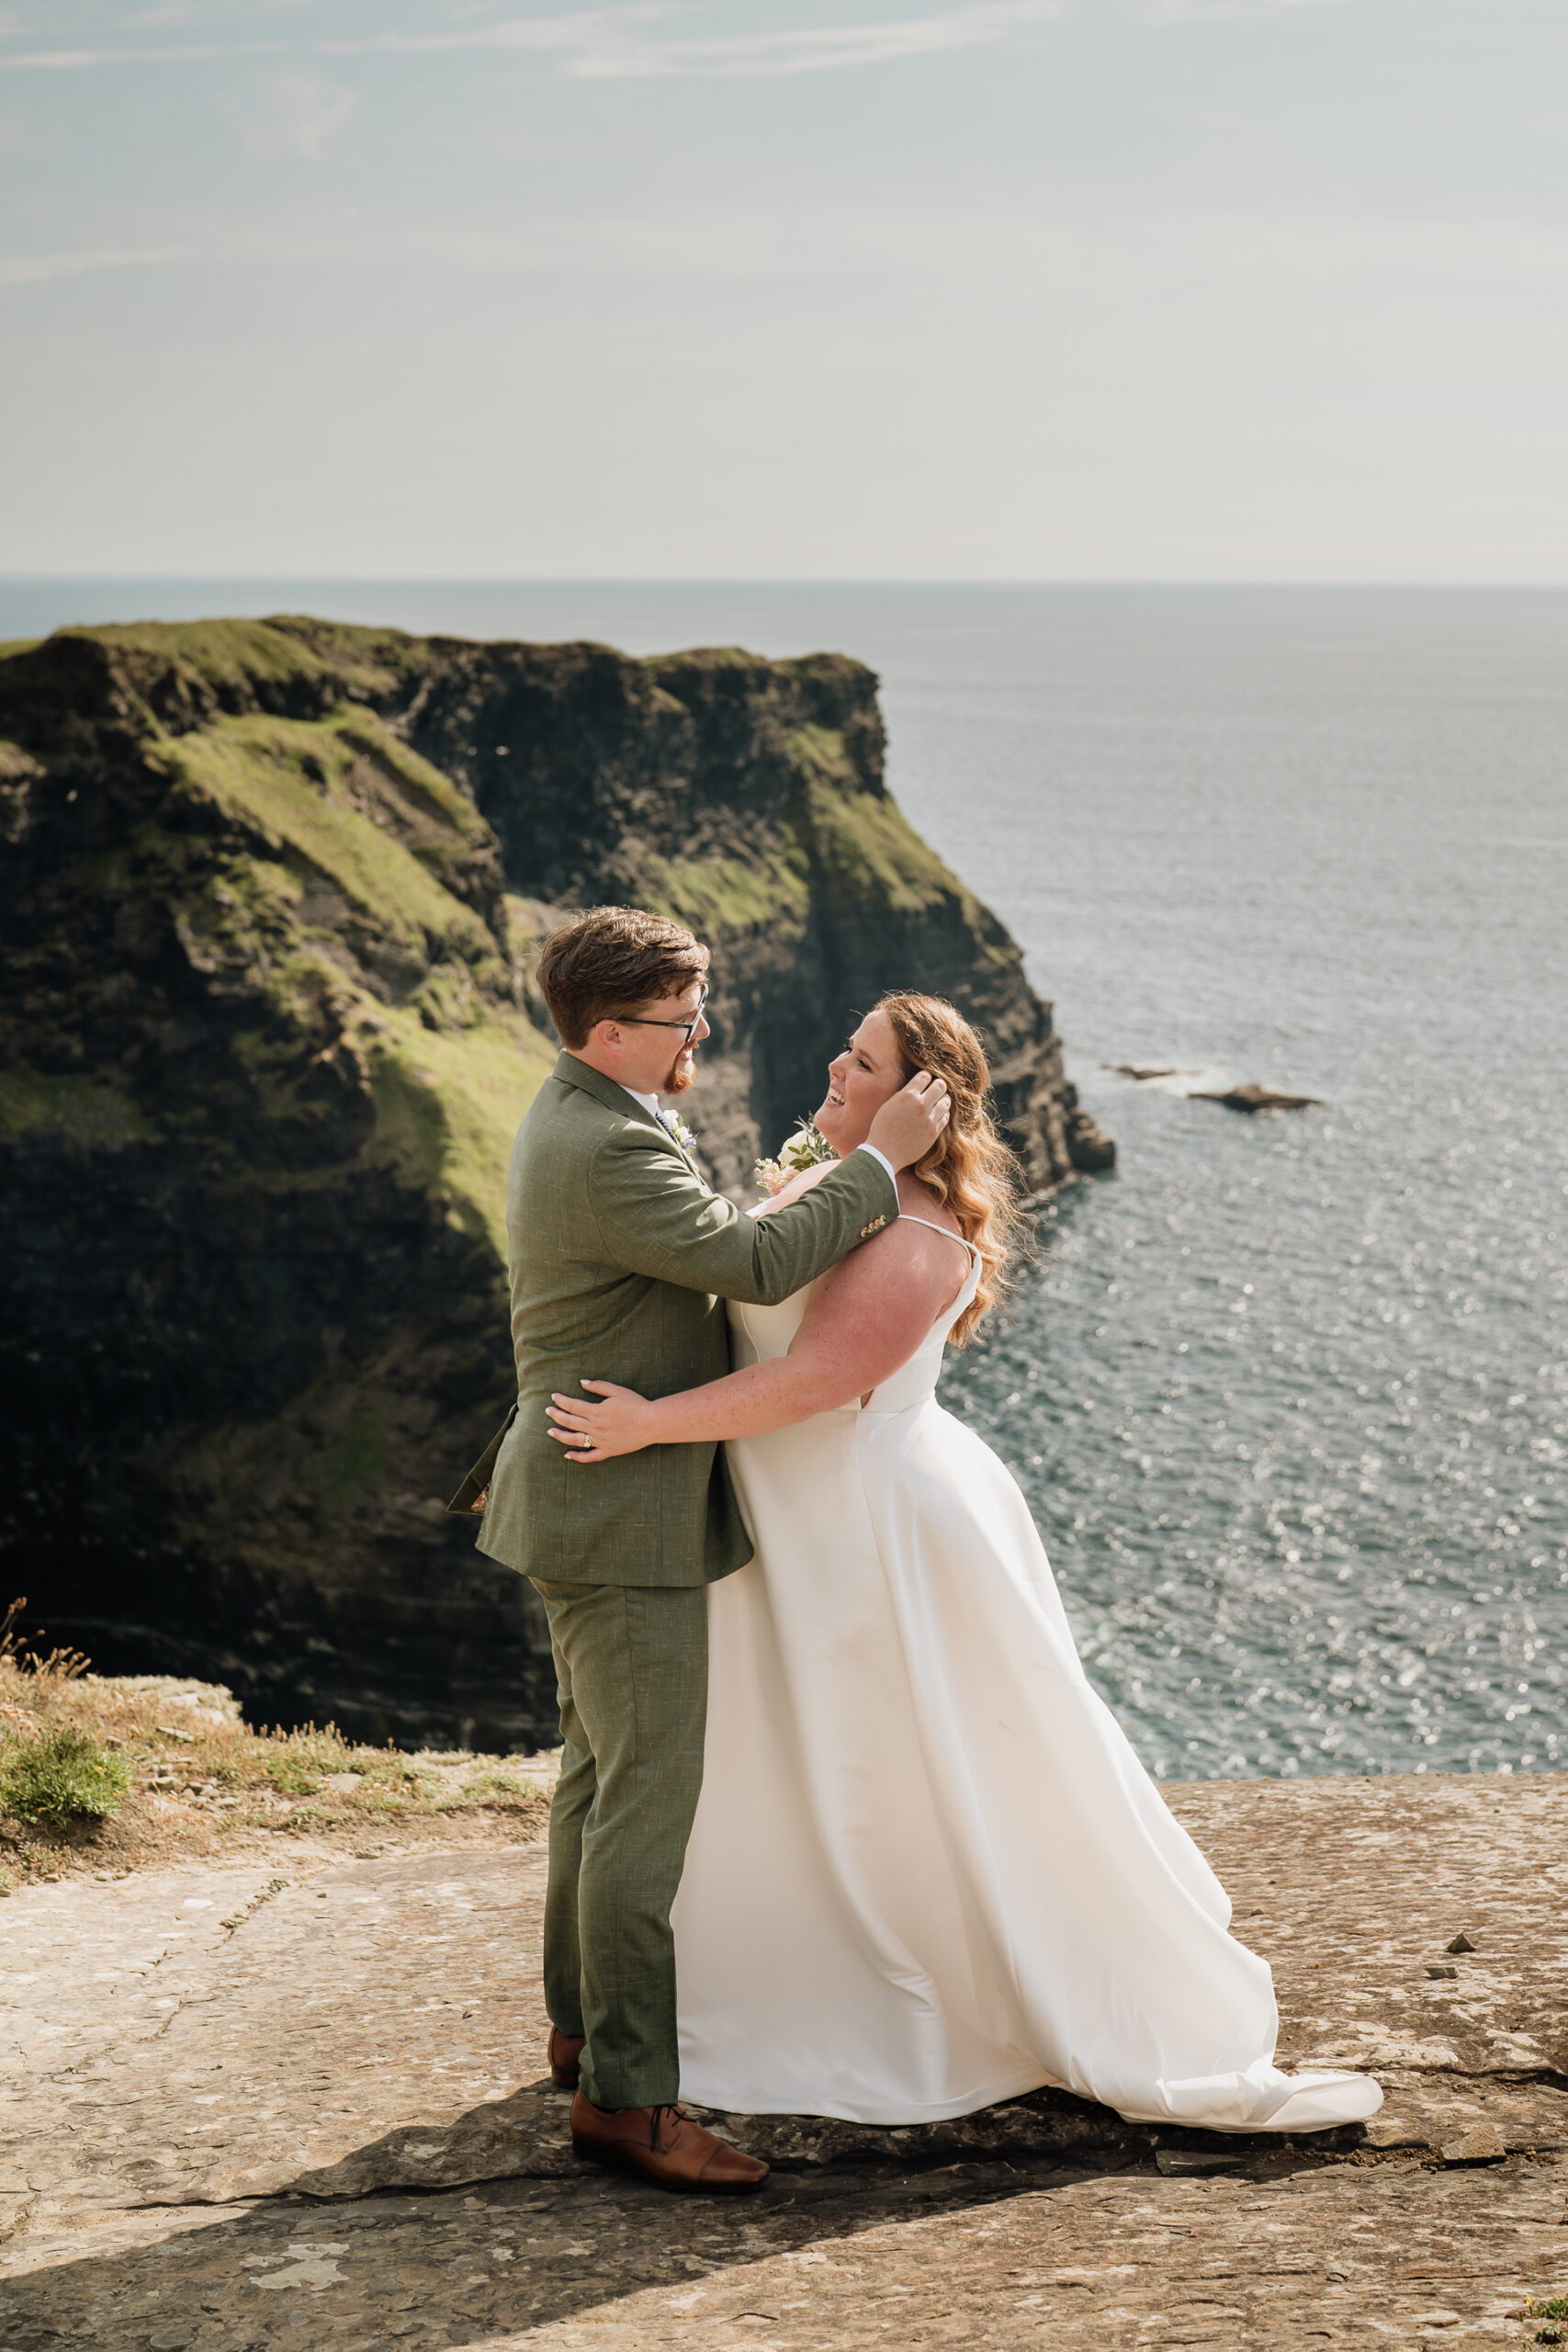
1287, 1395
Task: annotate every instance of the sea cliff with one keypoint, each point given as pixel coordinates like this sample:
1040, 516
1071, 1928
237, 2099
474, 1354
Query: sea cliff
271, 896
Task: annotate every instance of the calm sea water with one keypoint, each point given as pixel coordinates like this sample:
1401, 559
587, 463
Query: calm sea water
1289, 1395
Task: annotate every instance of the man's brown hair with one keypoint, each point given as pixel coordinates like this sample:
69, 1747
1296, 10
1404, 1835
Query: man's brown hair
611, 960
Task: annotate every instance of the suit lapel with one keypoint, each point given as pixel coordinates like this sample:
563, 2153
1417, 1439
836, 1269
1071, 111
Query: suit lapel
674, 1138
573, 1072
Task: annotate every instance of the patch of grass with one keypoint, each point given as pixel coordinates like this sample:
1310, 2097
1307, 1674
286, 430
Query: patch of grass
59, 1778
191, 1772
447, 1106
351, 1464
486, 1788
285, 779
447, 999
423, 787
242, 918
233, 654
871, 854
80, 1111
1547, 2307
712, 894
17, 766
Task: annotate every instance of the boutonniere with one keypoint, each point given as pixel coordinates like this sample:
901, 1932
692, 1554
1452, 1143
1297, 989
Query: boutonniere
683, 1135
808, 1148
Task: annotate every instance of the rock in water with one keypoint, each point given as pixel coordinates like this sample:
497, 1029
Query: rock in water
272, 893
1253, 1097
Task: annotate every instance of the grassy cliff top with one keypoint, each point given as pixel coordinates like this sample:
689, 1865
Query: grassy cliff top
108, 1773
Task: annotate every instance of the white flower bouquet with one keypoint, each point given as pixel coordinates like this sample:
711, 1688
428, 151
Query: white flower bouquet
808, 1148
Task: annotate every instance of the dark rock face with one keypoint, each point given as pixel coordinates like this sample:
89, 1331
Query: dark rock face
270, 898
746, 797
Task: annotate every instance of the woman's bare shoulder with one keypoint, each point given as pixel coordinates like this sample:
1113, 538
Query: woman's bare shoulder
915, 1203
906, 1267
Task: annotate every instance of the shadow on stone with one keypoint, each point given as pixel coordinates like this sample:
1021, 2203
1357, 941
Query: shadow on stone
490, 2225
524, 2137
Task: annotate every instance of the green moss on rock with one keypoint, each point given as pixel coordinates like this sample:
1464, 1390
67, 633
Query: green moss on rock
239, 657
868, 851
715, 895
284, 779
447, 1107
84, 1113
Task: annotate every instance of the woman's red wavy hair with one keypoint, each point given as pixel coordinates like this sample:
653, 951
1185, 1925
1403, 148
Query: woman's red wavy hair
969, 1168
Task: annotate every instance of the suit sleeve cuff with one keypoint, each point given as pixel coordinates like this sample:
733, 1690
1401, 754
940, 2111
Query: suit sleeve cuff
882, 1161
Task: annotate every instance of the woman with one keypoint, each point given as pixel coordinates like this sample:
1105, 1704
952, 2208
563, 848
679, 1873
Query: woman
928, 1872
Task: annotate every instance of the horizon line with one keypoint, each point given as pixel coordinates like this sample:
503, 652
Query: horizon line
755, 580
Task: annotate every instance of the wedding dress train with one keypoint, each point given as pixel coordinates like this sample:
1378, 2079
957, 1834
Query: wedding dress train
928, 1872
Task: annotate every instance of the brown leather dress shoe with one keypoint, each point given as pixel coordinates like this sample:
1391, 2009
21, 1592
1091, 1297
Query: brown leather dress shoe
565, 2053
665, 2146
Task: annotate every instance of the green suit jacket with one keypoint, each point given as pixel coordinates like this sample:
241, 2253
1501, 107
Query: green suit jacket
621, 1260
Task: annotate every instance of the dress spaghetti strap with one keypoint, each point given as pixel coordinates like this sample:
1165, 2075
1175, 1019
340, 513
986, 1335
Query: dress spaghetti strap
945, 1230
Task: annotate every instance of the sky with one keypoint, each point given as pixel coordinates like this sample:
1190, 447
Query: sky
843, 289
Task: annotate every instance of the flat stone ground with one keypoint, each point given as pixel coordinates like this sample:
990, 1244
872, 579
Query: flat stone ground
301, 2108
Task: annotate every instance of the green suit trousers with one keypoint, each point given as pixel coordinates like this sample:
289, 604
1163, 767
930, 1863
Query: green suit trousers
632, 1670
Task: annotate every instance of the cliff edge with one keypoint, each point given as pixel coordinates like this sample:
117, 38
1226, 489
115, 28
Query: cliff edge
271, 896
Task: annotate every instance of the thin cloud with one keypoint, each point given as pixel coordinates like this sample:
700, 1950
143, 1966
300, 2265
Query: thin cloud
819, 50
549, 35
1205, 12
295, 114
76, 61
567, 37
620, 44
36, 269
608, 46
617, 44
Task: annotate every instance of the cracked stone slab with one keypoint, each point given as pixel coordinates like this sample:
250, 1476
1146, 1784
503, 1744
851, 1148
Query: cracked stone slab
213, 2034
1351, 1888
1390, 2255
215, 2078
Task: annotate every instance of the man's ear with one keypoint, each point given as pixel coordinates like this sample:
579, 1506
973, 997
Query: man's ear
607, 1036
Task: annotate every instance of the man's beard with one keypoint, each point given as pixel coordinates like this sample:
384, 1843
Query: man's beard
679, 1080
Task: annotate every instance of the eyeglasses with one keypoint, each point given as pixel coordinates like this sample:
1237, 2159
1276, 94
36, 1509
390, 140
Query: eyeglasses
690, 1028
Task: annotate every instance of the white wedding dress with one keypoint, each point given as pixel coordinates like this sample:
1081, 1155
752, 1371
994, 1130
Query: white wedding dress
928, 1872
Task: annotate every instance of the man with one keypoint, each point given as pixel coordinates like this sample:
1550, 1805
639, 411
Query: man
621, 1258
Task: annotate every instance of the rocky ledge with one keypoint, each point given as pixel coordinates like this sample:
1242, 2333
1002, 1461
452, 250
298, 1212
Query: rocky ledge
270, 898
300, 2107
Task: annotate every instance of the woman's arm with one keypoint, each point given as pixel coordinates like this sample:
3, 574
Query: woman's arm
865, 1319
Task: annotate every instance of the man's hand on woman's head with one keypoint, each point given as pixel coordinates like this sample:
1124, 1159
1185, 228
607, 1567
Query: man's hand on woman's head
910, 1121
